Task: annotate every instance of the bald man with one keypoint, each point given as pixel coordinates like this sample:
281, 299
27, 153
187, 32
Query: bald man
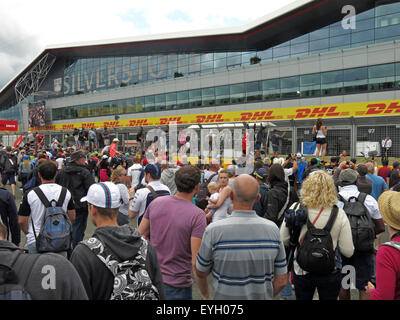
244, 251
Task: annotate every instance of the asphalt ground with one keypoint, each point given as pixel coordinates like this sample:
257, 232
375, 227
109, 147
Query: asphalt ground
196, 292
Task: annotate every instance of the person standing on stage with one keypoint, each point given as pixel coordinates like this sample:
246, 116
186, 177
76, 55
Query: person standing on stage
320, 132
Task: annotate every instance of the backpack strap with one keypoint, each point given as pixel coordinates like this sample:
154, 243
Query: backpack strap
42, 197
210, 178
361, 197
332, 219
155, 195
285, 205
61, 199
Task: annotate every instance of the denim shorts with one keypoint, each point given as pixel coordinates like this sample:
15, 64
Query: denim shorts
364, 268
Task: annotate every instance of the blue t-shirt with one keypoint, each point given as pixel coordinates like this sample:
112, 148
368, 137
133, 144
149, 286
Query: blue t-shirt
378, 185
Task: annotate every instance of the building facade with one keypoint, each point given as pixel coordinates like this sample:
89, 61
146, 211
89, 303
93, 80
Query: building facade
344, 69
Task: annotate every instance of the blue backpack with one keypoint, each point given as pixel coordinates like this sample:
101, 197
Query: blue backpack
56, 231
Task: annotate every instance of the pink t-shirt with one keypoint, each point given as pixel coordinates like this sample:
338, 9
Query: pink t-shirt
387, 274
173, 221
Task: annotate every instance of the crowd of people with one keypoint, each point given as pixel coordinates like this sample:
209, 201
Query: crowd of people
160, 226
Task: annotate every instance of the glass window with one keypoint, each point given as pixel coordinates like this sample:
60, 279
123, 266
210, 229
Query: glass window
355, 80
149, 103
362, 36
332, 82
222, 95
365, 24
290, 87
131, 107
139, 102
195, 98
320, 34
340, 41
253, 92
265, 55
336, 29
271, 89
207, 66
387, 32
220, 64
281, 52
207, 57
310, 85
183, 99
387, 9
208, 97
237, 93
299, 48
319, 45
170, 101
388, 20
369, 14
301, 39
381, 77
194, 65
160, 102
234, 58
398, 75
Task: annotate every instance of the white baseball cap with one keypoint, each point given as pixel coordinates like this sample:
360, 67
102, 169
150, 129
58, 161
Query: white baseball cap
103, 195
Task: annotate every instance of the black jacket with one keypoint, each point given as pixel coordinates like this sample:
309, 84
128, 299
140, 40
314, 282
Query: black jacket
124, 242
8, 166
77, 179
276, 199
9, 215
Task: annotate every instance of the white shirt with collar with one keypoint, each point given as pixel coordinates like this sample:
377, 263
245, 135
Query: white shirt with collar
140, 198
370, 203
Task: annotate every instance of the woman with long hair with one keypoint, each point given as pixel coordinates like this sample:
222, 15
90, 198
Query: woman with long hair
319, 196
321, 132
117, 178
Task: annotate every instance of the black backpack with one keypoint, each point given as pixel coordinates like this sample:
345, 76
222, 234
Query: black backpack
14, 274
362, 226
316, 254
203, 193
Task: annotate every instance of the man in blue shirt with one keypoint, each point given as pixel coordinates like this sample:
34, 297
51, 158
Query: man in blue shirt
378, 183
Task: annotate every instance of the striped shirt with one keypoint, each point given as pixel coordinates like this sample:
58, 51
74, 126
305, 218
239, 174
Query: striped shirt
243, 252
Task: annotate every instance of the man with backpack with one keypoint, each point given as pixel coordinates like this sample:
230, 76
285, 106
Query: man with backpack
77, 179
116, 262
36, 276
10, 169
366, 222
47, 225
143, 197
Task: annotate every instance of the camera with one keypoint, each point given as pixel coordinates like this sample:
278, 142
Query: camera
347, 162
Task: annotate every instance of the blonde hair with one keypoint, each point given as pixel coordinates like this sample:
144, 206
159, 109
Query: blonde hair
116, 173
318, 190
213, 186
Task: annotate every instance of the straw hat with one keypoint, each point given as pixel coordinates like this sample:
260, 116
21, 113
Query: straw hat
389, 206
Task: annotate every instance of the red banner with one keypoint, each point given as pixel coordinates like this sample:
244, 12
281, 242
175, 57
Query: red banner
18, 141
6, 125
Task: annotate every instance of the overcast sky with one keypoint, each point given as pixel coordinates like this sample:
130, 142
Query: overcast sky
27, 26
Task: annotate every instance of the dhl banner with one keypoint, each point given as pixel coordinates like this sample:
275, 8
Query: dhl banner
345, 110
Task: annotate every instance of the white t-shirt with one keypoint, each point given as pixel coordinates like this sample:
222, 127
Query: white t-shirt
60, 162
32, 206
214, 196
288, 173
140, 198
134, 172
